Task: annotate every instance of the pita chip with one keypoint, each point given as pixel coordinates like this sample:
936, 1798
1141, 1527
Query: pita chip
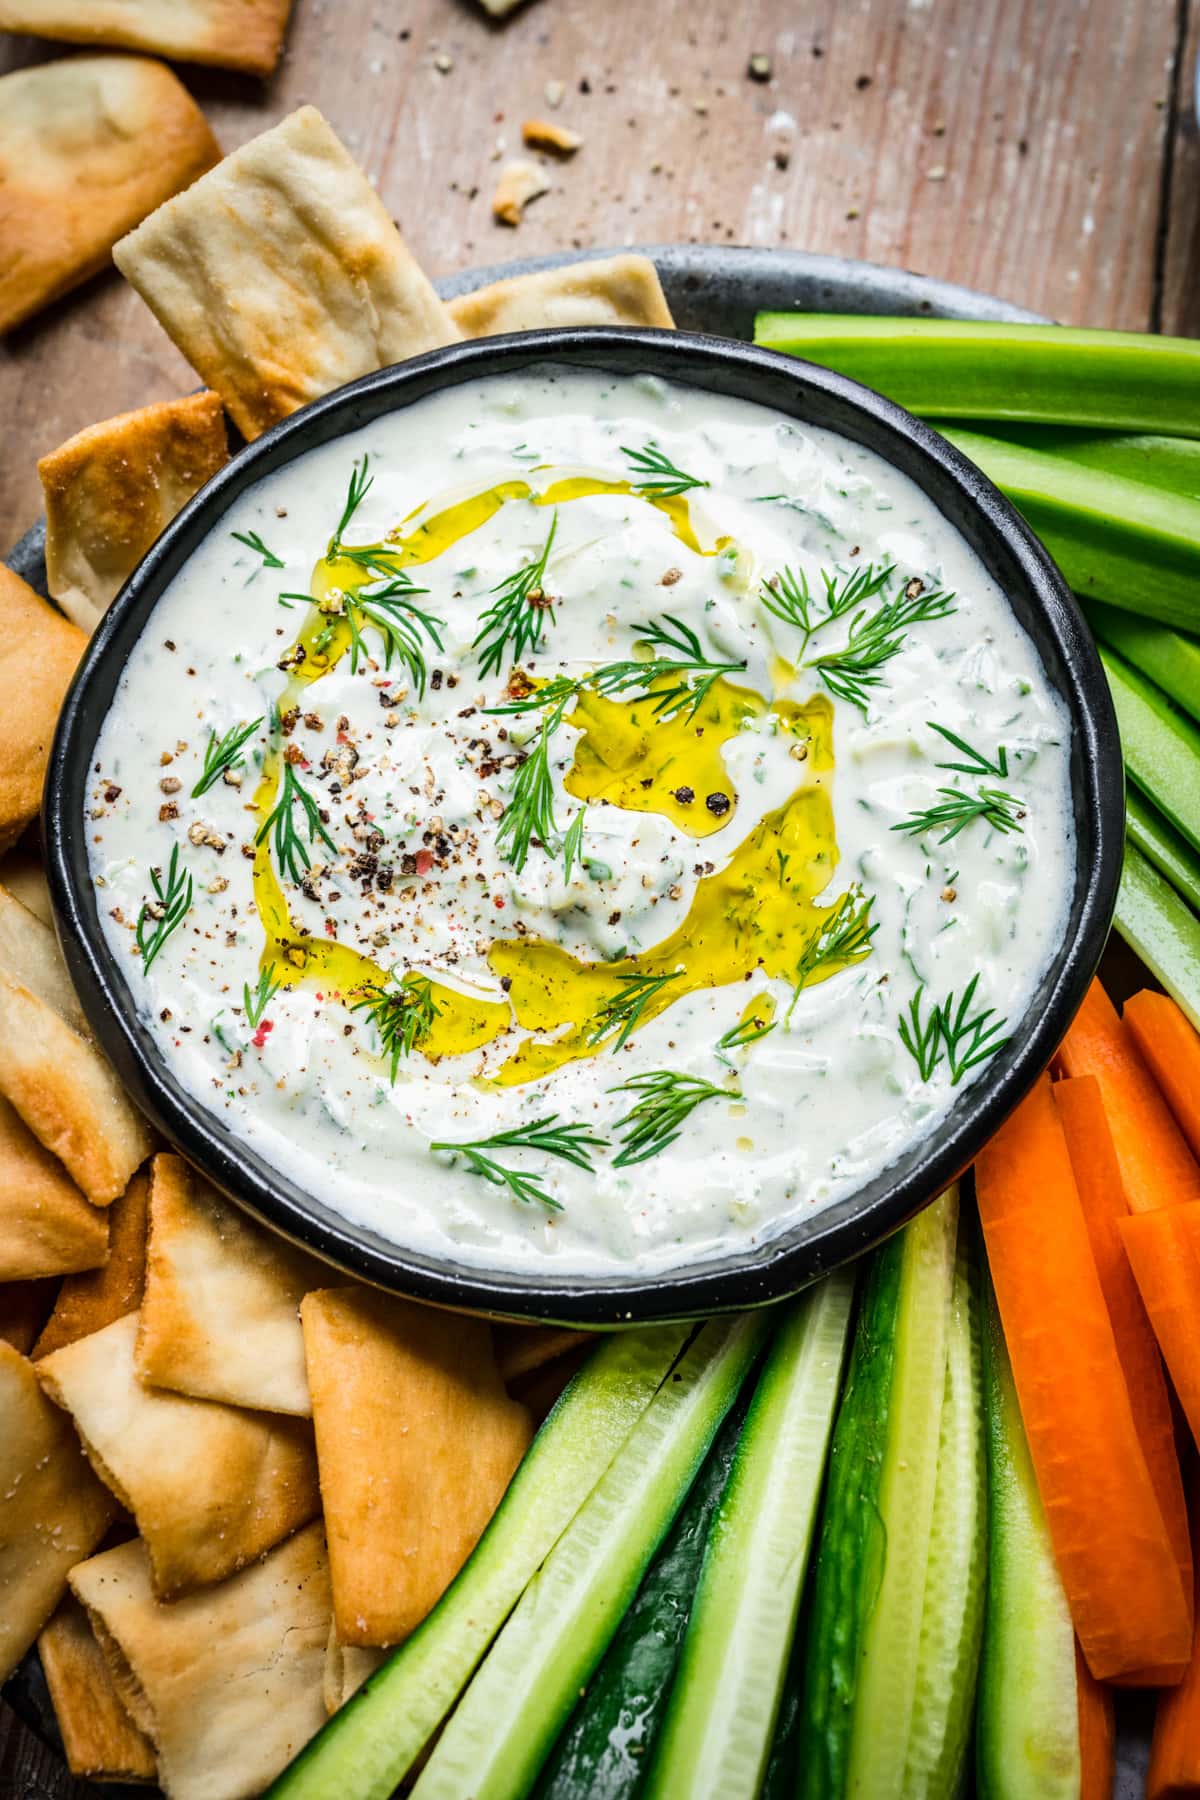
523, 1348
280, 275
112, 489
24, 1306
209, 1486
21, 872
53, 1511
615, 290
46, 1225
87, 1303
99, 1737
29, 953
88, 146
230, 34
347, 1666
416, 1442
220, 1318
228, 1683
38, 653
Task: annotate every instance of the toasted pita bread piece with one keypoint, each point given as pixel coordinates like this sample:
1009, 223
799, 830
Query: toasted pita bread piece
46, 1225
21, 872
522, 1348
68, 1096
38, 653
281, 275
88, 146
220, 1318
230, 34
227, 1684
539, 1390
53, 1511
112, 489
347, 1666
29, 954
210, 1486
614, 290
99, 1737
24, 1309
416, 1442
89, 1302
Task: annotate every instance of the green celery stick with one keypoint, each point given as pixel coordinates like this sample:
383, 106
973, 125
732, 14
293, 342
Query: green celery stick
1114, 539
1168, 658
1172, 463
1162, 929
1149, 832
1160, 745
1056, 374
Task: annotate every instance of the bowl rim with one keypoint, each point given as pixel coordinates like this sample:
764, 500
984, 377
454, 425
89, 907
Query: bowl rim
758, 1272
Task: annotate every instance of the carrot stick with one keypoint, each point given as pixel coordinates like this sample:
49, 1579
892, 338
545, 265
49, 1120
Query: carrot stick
1098, 1179
1174, 1772
1170, 1044
1097, 1733
1114, 1555
1162, 1249
1157, 1167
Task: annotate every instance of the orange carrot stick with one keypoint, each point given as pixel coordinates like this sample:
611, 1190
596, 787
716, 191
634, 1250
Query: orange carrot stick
1114, 1554
1162, 1250
1097, 1733
1174, 1772
1157, 1167
1170, 1044
1098, 1179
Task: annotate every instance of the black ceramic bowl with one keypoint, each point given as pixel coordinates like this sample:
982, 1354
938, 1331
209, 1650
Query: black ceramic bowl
755, 1274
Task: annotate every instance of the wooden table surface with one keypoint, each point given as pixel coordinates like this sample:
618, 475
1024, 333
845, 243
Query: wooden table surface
1045, 150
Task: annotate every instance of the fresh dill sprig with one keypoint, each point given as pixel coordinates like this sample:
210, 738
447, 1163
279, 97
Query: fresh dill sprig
656, 476
171, 903
573, 1143
788, 596
624, 1011
255, 1003
844, 935
292, 857
224, 753
361, 483
875, 638
399, 621
967, 1038
687, 660
513, 625
530, 810
955, 810
572, 844
253, 542
403, 1016
746, 1031
978, 763
667, 1100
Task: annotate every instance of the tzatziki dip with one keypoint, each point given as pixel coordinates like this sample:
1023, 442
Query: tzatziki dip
582, 820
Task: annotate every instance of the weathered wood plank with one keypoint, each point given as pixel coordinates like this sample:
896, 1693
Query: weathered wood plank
1180, 311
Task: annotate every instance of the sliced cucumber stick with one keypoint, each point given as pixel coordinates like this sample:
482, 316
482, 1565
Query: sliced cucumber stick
1162, 845
717, 1738
1168, 658
367, 1747
506, 1722
1163, 930
1027, 1727
1160, 744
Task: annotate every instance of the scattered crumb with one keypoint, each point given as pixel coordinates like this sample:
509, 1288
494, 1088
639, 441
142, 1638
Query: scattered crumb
937, 173
443, 63
759, 67
700, 106
544, 134
554, 91
519, 183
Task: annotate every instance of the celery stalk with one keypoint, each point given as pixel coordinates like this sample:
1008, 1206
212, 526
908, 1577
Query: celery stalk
1162, 930
1169, 659
1160, 745
1149, 833
1172, 463
969, 370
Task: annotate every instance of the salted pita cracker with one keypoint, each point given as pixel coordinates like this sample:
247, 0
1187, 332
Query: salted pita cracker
29, 954
280, 275
347, 1666
24, 1308
46, 1225
416, 1442
220, 1318
230, 34
38, 653
21, 872
99, 1737
228, 1683
209, 1486
523, 1348
614, 290
87, 1303
53, 1511
112, 489
68, 1095
88, 146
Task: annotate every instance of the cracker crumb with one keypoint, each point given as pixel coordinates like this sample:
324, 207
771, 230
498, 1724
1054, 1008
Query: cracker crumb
759, 67
545, 134
554, 91
519, 183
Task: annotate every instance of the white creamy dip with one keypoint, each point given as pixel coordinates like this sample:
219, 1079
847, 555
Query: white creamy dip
751, 859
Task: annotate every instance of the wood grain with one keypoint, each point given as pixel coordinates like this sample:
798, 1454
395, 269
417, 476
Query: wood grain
1016, 145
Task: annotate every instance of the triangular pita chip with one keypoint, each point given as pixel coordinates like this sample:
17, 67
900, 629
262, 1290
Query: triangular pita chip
29, 954
347, 1666
227, 1683
21, 872
53, 1511
614, 290
232, 34
46, 1225
38, 653
89, 1302
24, 1308
416, 1440
522, 1348
220, 1318
99, 1737
209, 1486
